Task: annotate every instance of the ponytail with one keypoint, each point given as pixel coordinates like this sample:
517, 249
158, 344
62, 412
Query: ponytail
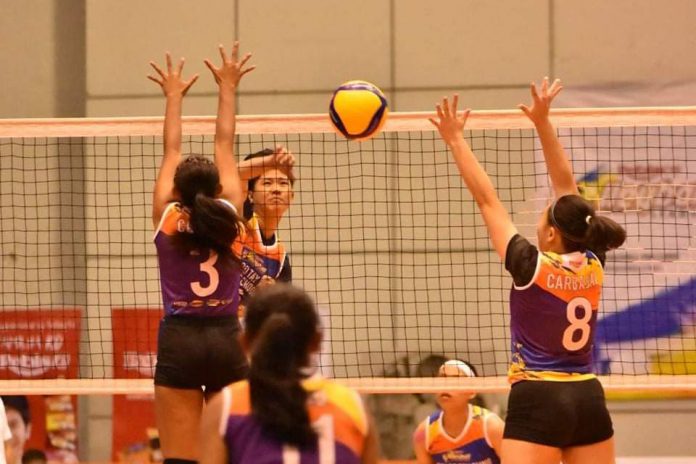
214, 224
604, 234
278, 399
581, 228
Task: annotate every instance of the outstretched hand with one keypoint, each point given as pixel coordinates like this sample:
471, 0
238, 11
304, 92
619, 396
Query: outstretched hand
284, 160
541, 100
448, 123
232, 69
171, 81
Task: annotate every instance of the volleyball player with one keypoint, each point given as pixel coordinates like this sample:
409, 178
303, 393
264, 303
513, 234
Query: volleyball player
286, 412
195, 206
557, 410
267, 180
459, 431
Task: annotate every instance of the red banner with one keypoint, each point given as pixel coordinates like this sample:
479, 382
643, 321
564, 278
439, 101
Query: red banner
39, 343
135, 356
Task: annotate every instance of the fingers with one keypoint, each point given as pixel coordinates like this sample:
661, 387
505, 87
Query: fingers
247, 70
169, 63
465, 116
190, 83
235, 50
455, 102
157, 69
245, 58
446, 108
180, 67
221, 49
545, 85
434, 122
555, 89
525, 109
535, 94
440, 114
210, 66
154, 79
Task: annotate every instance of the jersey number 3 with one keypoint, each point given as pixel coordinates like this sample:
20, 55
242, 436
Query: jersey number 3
208, 267
572, 341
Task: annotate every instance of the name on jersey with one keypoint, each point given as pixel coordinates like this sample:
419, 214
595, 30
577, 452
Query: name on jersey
574, 283
250, 278
457, 456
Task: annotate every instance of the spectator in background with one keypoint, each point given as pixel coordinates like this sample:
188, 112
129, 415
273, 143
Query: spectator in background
19, 420
5, 434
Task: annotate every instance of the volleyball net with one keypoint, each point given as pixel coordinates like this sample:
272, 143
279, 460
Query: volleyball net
382, 233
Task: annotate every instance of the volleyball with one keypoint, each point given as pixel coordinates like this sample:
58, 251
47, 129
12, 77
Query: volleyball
358, 110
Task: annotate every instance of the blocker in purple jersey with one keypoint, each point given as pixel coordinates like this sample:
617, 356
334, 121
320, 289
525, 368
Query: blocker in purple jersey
194, 283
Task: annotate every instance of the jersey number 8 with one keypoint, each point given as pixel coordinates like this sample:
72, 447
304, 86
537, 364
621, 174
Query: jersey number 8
581, 324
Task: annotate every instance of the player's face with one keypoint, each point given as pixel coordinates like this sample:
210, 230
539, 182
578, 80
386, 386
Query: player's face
272, 193
456, 400
20, 434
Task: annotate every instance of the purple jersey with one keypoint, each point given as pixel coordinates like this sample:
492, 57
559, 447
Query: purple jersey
553, 313
337, 415
194, 283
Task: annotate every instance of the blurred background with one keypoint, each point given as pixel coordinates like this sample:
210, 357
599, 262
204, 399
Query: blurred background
72, 58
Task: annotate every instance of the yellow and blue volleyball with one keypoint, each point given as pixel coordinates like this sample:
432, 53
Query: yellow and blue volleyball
358, 110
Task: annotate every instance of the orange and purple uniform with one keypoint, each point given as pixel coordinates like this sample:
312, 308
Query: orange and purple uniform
553, 312
471, 446
195, 283
336, 412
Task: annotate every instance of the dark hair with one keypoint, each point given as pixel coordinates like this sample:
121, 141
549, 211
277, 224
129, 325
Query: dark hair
581, 228
281, 323
20, 404
33, 454
214, 225
251, 183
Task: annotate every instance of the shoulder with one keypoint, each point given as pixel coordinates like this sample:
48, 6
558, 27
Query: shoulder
521, 260
169, 222
420, 432
348, 401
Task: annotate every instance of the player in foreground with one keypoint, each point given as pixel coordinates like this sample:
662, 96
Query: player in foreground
285, 412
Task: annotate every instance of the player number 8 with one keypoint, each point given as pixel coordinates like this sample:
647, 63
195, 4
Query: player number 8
577, 324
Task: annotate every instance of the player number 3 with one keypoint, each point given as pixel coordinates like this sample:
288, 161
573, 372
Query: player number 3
213, 277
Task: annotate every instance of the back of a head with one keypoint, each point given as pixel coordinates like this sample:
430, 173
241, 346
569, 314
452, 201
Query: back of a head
281, 325
456, 368
34, 456
582, 228
214, 224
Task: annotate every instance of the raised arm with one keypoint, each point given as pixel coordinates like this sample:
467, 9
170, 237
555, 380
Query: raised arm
281, 158
174, 89
557, 162
500, 226
227, 77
